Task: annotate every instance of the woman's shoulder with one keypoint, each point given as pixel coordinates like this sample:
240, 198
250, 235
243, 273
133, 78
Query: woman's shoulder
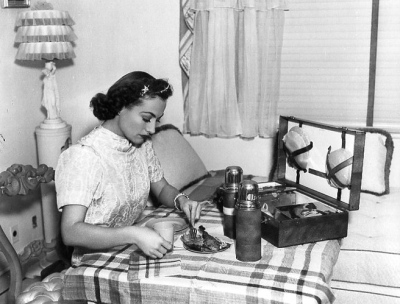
81, 153
81, 149
77, 158
86, 145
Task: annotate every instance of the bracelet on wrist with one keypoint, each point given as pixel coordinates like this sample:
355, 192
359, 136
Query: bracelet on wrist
176, 205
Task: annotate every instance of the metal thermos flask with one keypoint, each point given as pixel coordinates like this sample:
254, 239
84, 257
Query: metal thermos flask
233, 177
248, 223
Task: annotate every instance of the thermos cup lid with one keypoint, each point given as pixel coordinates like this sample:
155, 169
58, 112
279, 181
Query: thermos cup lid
233, 176
248, 195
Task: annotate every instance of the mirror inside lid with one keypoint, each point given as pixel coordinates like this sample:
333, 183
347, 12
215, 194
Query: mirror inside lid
322, 160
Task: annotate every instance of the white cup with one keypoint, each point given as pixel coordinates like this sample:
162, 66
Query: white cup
166, 230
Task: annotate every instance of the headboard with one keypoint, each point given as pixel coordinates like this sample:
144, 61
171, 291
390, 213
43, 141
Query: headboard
19, 180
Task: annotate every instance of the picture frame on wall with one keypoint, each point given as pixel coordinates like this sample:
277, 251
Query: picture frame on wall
16, 3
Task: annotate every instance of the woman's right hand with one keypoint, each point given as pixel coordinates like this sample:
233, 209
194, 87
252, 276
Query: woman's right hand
151, 243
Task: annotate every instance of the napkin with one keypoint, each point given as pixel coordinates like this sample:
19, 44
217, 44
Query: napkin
141, 266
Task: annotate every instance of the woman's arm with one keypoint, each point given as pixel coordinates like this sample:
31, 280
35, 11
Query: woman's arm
75, 232
166, 194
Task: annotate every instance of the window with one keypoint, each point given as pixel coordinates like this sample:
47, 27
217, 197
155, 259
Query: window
325, 62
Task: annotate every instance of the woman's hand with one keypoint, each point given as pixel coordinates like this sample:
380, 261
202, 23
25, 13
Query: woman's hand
76, 232
151, 243
192, 209
167, 194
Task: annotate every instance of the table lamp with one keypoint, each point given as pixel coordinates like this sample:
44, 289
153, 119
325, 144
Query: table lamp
46, 34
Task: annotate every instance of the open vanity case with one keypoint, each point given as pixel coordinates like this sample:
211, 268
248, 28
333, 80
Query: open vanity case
318, 180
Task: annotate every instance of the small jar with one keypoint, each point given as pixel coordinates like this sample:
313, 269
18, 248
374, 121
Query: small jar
233, 178
248, 223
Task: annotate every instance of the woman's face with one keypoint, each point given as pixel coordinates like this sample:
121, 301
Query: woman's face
138, 123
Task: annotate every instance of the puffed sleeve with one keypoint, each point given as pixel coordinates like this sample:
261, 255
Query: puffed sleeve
78, 176
155, 170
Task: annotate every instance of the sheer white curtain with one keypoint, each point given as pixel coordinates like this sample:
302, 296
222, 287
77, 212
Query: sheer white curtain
234, 68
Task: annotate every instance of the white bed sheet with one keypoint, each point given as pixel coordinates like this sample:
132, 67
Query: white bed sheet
368, 268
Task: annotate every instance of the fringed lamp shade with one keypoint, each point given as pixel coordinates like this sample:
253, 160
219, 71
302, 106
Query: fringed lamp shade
45, 35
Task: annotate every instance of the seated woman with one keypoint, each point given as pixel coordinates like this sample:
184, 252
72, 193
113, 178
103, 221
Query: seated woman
103, 181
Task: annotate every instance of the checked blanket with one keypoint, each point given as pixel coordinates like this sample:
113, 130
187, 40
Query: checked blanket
298, 274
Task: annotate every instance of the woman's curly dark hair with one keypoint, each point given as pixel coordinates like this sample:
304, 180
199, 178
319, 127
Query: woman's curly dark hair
127, 92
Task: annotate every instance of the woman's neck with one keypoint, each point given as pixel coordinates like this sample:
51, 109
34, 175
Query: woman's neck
112, 125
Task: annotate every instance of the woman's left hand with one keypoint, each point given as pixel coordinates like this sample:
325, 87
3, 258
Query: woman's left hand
192, 209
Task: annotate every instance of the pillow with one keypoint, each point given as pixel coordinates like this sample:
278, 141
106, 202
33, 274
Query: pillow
181, 164
378, 154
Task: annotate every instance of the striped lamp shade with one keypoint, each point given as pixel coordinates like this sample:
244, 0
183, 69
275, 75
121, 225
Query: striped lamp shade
44, 35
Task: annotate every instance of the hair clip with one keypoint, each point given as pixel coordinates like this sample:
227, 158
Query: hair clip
163, 90
144, 90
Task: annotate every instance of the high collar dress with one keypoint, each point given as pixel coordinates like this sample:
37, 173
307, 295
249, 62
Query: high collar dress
107, 174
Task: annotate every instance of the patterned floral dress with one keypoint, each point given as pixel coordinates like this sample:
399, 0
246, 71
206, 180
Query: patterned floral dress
107, 174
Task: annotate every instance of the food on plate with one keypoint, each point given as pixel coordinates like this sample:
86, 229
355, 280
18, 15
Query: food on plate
209, 241
203, 241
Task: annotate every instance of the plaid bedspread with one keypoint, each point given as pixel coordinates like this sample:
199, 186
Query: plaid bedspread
298, 274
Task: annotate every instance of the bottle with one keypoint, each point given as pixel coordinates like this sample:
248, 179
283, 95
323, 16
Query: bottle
248, 223
233, 177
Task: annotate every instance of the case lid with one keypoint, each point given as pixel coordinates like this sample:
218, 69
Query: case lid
315, 175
